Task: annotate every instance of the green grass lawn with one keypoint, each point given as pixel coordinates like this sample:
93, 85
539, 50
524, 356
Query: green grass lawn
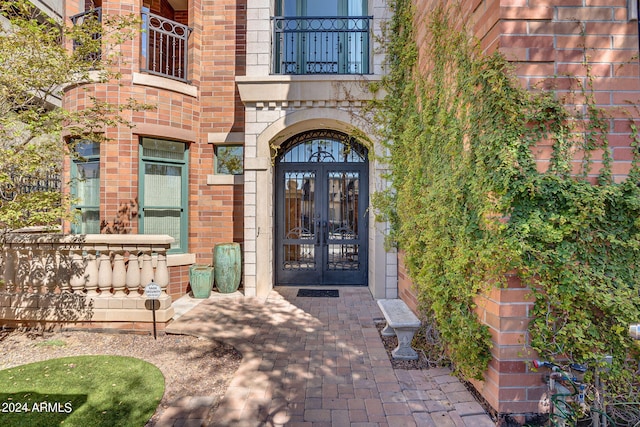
80, 391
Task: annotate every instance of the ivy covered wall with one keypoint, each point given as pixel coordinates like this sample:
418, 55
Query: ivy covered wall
470, 201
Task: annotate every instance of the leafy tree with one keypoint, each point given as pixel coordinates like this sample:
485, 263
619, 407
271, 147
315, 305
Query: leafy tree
39, 57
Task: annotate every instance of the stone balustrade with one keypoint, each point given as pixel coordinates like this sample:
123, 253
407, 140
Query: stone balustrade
98, 278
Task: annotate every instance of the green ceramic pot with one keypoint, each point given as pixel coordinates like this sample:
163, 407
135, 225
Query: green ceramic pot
201, 279
228, 267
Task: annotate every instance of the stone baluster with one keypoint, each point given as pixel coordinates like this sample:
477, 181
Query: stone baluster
105, 274
3, 265
64, 269
21, 264
57, 279
162, 272
51, 258
96, 265
133, 276
147, 269
9, 268
78, 275
119, 279
49, 269
35, 281
92, 274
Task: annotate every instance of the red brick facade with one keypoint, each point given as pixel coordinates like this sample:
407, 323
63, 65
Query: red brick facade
406, 289
216, 55
548, 42
509, 386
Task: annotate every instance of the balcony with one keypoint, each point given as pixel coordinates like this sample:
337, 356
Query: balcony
20, 184
164, 46
91, 19
321, 45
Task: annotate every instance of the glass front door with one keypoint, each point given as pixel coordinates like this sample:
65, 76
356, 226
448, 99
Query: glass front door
321, 222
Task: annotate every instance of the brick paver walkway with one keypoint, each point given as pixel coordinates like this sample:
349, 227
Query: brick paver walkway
316, 362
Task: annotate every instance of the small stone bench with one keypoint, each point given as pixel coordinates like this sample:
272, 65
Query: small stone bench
400, 322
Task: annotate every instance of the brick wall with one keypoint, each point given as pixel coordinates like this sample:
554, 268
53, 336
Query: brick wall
547, 41
222, 58
178, 281
509, 386
160, 7
406, 288
216, 56
547, 38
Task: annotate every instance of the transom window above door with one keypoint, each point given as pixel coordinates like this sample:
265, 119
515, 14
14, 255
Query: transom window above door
321, 37
292, 8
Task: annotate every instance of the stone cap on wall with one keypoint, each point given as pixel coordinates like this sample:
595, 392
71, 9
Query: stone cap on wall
155, 240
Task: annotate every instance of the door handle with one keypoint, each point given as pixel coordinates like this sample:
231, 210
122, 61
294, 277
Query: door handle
324, 233
318, 231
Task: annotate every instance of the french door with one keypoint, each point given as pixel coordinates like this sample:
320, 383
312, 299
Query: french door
323, 37
321, 214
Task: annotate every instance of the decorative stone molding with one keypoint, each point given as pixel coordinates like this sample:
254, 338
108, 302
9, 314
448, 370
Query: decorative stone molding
225, 179
225, 138
273, 92
164, 83
163, 131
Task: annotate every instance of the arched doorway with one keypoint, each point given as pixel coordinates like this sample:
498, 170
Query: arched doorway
321, 201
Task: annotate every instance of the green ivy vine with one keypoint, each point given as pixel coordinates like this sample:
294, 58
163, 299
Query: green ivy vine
468, 204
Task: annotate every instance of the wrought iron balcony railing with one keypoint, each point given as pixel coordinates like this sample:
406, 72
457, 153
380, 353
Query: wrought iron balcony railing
321, 45
25, 184
164, 43
92, 52
164, 46
79, 18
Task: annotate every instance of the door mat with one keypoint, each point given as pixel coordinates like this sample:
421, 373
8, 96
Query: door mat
322, 293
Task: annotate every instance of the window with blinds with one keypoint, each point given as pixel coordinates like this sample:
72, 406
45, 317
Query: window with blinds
163, 190
85, 187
